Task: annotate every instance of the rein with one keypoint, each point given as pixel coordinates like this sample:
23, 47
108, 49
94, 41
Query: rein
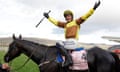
46, 61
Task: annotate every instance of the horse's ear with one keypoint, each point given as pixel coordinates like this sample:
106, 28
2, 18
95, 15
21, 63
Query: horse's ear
20, 36
14, 36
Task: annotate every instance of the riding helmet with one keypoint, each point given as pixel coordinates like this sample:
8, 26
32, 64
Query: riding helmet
68, 12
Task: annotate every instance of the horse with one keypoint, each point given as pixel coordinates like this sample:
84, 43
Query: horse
99, 60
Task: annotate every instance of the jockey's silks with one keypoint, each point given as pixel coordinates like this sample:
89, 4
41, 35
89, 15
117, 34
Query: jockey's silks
72, 28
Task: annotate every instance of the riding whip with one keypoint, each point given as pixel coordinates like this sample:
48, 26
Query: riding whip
42, 20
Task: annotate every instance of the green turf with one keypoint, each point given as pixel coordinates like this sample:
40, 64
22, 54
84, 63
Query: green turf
18, 62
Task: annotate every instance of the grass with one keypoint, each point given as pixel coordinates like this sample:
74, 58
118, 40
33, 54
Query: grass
18, 62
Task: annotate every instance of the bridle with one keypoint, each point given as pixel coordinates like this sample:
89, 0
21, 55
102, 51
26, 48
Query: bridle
24, 62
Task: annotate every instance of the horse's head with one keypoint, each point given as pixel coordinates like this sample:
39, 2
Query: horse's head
13, 50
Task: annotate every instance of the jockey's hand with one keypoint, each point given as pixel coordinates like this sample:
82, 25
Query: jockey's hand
46, 15
96, 5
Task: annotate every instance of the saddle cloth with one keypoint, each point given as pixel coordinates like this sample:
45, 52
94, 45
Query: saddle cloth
79, 60
79, 57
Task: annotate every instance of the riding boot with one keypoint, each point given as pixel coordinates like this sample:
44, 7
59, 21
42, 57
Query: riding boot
68, 58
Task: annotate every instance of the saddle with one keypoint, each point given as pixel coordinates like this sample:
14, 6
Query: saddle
79, 57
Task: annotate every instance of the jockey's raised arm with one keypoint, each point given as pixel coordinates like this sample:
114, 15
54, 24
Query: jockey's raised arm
56, 22
88, 14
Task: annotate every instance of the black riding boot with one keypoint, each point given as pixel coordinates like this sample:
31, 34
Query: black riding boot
68, 58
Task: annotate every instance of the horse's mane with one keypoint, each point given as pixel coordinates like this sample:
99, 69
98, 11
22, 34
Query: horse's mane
32, 43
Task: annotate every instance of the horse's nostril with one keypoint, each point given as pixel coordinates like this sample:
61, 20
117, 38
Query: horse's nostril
6, 59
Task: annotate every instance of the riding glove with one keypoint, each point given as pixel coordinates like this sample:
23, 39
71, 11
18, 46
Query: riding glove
96, 5
46, 15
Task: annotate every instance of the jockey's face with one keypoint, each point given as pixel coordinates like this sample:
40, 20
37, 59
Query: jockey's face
69, 18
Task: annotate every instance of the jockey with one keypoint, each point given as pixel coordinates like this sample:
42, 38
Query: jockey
71, 29
4, 66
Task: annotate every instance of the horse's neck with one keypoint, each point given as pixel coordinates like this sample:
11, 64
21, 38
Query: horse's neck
37, 52
32, 50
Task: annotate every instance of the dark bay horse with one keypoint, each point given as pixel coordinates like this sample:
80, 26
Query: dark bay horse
99, 60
